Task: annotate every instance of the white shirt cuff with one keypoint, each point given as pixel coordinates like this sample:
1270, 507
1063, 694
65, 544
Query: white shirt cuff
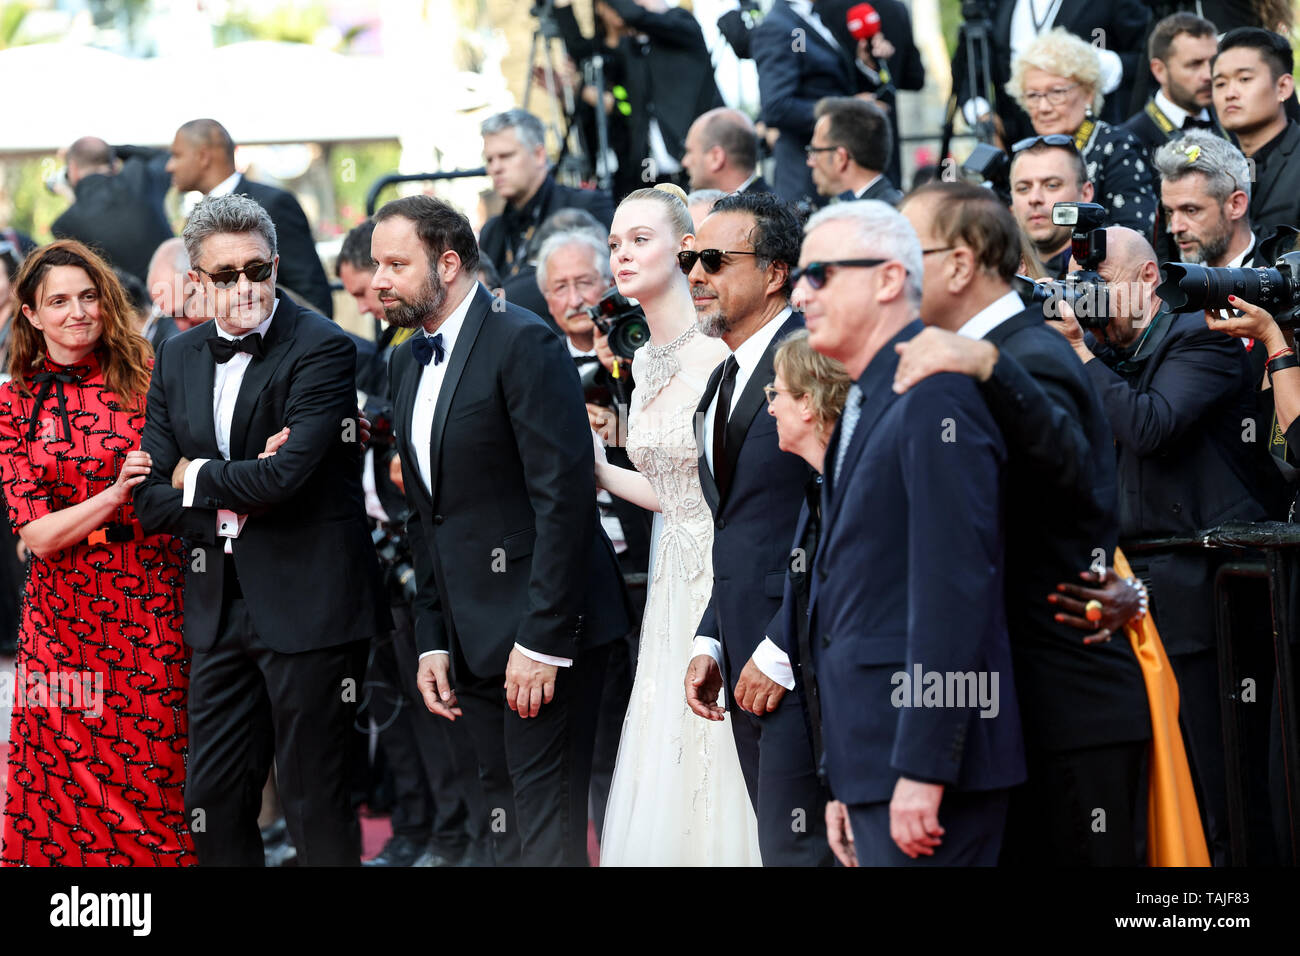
707, 645
545, 658
774, 663
973, 109
1112, 71
191, 481
427, 653
229, 524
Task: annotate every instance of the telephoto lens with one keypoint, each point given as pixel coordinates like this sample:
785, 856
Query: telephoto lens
1193, 288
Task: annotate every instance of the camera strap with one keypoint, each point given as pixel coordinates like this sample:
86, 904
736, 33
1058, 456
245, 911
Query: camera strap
1083, 135
1155, 333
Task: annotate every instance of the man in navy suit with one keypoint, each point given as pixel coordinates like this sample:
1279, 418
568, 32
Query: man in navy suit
754, 491
908, 630
849, 151
799, 62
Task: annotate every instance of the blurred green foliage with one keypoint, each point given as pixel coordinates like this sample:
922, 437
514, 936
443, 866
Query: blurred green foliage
353, 167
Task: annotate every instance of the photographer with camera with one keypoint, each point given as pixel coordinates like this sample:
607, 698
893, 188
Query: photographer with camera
1083, 702
1046, 170
1180, 399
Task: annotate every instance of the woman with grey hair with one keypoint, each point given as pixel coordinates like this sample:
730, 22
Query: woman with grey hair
1057, 81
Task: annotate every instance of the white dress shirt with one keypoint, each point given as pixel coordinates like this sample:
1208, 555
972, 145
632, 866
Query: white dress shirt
804, 8
227, 378
1176, 114
991, 316
226, 186
426, 402
747, 356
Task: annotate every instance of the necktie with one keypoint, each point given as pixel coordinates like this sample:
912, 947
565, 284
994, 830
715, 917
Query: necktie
223, 349
425, 347
852, 411
721, 468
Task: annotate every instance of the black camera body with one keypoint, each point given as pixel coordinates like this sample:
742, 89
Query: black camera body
394, 552
1083, 289
621, 321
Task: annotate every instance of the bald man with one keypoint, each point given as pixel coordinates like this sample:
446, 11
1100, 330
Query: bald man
118, 213
722, 153
203, 160
1180, 398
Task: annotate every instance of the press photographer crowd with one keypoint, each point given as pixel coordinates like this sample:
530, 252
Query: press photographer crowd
724, 500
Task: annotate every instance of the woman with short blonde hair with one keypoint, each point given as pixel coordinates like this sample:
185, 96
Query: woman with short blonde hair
1057, 81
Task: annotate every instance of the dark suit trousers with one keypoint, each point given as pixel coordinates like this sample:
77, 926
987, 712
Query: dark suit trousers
781, 775
435, 774
249, 704
535, 771
972, 823
1053, 819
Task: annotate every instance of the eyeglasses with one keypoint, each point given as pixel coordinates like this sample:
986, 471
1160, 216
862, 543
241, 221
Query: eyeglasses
926, 252
710, 258
818, 272
1054, 96
771, 392
810, 149
583, 287
1060, 140
226, 278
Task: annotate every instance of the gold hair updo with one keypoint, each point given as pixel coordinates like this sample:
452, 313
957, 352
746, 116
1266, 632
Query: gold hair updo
673, 201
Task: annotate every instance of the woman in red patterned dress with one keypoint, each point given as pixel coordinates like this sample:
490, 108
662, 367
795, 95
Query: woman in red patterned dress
97, 744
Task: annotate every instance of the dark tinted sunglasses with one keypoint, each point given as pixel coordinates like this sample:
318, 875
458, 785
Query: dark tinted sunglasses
710, 258
817, 272
1050, 139
256, 272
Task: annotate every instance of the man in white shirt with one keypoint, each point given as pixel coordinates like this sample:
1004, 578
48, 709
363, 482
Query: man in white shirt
740, 285
251, 424
519, 591
1181, 49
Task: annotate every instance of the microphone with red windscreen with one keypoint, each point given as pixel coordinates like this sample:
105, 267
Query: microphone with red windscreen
864, 22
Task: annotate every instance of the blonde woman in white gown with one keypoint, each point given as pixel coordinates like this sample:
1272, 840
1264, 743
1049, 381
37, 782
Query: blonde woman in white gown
678, 797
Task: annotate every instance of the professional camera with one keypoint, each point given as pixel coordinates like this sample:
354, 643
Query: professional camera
622, 321
395, 555
1191, 288
1083, 290
990, 167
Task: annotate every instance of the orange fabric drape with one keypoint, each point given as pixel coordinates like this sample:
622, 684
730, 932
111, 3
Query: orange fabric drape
1174, 833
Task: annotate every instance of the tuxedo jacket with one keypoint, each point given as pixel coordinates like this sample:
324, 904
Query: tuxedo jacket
909, 576
1275, 198
300, 265
1153, 135
791, 79
1061, 484
306, 564
759, 185
1123, 24
882, 189
507, 546
754, 518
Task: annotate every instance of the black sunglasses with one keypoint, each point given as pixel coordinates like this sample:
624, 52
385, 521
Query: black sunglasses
224, 279
711, 258
1049, 139
817, 272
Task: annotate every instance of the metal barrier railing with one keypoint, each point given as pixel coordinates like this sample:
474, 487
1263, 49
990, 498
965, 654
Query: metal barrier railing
392, 179
1279, 543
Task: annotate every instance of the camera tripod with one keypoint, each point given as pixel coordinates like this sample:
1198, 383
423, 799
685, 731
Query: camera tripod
559, 92
974, 38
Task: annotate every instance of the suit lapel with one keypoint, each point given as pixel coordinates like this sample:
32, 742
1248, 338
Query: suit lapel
708, 484
199, 383
1281, 157
405, 383
814, 35
478, 312
279, 337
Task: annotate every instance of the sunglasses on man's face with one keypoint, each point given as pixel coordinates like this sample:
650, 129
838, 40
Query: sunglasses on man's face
818, 272
226, 278
711, 259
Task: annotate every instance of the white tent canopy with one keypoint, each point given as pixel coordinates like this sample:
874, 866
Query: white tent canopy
261, 92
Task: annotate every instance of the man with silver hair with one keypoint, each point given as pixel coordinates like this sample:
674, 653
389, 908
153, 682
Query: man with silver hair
514, 152
920, 721
1205, 199
252, 427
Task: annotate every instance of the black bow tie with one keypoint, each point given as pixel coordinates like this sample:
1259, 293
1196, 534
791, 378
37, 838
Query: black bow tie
1193, 123
224, 349
425, 347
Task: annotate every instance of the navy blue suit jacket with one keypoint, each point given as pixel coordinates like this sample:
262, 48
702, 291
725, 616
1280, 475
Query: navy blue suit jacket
795, 70
909, 573
754, 520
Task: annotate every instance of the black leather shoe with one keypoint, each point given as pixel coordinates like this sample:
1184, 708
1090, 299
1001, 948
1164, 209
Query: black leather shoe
431, 857
399, 851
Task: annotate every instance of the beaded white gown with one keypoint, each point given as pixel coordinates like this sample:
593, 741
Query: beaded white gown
678, 796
